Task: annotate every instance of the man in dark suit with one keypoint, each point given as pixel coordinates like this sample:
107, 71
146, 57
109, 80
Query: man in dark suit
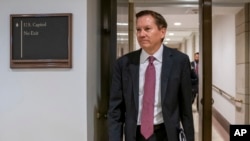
168, 71
195, 79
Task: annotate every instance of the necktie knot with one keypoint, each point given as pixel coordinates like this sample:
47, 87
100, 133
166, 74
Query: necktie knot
151, 59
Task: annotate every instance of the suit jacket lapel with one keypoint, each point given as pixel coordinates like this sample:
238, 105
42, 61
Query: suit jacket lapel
134, 71
165, 72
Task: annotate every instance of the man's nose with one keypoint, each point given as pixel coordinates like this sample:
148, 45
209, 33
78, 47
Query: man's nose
142, 33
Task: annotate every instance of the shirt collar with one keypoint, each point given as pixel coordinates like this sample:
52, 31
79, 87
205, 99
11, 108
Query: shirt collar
158, 55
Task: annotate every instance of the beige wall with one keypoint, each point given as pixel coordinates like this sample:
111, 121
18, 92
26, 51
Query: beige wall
242, 64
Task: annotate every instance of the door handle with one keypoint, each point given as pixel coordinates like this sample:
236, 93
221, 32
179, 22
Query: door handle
101, 115
212, 101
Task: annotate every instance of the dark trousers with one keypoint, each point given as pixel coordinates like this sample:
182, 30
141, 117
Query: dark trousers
158, 135
196, 96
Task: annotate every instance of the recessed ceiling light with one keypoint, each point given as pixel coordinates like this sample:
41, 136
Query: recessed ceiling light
122, 39
167, 39
124, 34
122, 24
177, 23
171, 34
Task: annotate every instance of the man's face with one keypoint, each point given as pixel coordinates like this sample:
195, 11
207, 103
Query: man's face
196, 58
148, 35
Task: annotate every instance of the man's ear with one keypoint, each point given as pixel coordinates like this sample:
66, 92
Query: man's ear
163, 31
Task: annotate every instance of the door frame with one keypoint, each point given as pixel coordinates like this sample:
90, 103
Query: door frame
205, 71
108, 56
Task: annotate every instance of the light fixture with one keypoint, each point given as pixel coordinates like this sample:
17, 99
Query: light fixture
177, 23
171, 34
122, 39
122, 34
122, 24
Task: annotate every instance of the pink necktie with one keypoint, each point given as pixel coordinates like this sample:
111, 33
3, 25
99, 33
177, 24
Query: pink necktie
197, 68
147, 115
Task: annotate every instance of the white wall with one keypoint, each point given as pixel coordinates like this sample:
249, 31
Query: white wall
223, 63
49, 104
93, 65
197, 42
189, 48
183, 46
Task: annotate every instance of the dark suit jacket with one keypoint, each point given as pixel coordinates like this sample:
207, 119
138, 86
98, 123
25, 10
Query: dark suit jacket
175, 96
194, 79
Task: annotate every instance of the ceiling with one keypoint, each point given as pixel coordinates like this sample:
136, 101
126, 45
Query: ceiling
184, 11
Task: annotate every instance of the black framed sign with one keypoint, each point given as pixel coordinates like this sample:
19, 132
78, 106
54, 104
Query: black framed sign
41, 40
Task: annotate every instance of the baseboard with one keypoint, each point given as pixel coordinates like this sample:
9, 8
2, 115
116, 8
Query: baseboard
223, 122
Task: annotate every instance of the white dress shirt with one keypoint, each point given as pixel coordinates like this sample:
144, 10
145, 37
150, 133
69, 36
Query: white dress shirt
158, 118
